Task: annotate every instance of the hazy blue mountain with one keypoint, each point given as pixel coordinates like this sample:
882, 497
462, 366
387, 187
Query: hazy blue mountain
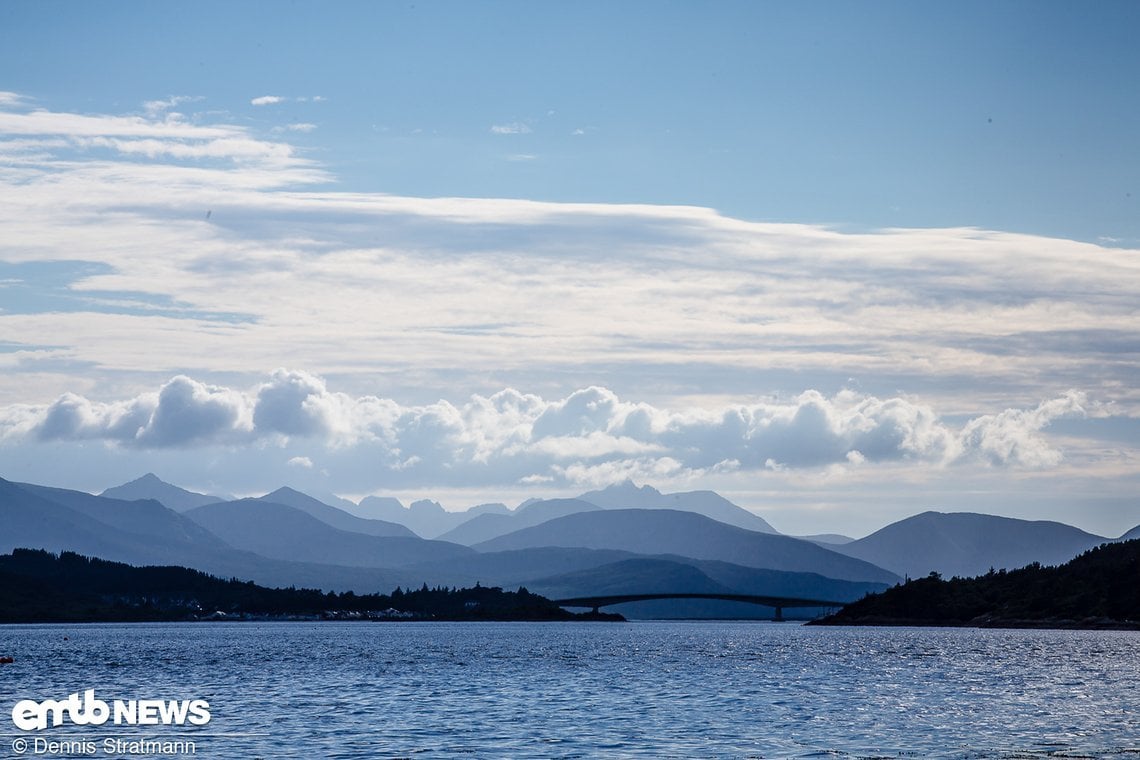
149, 486
330, 498
664, 531
429, 519
671, 573
337, 518
639, 575
968, 544
828, 539
492, 508
677, 574
425, 517
144, 519
708, 503
386, 508
32, 520
484, 527
282, 532
510, 569
753, 580
1130, 535
147, 533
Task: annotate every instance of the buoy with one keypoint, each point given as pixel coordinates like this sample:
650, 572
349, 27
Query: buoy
6, 660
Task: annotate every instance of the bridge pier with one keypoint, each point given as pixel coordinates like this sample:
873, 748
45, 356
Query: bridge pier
779, 615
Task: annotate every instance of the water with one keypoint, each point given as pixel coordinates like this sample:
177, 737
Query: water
668, 689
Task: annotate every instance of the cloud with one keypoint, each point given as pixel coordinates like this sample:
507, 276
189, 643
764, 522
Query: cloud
150, 246
297, 403
269, 100
591, 436
188, 412
12, 98
302, 462
1012, 436
155, 108
522, 157
512, 128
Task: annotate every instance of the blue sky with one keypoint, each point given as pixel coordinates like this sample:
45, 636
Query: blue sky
1011, 116
839, 261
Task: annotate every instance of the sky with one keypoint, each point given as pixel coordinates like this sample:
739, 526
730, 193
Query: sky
840, 262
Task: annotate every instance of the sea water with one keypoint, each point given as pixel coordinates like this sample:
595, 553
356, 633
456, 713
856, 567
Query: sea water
561, 690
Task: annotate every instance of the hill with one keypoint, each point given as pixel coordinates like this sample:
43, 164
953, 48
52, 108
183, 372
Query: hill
149, 486
642, 575
1099, 589
1130, 535
486, 526
333, 516
966, 544
282, 532
37, 586
687, 534
708, 503
512, 568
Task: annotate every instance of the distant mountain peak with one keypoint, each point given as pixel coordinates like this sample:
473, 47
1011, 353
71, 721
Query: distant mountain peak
628, 486
285, 491
628, 495
426, 505
150, 486
968, 544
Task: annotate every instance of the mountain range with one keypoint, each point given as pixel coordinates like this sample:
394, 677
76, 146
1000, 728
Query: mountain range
636, 539
670, 531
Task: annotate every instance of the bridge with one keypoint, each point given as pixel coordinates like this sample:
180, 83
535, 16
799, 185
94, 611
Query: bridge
778, 602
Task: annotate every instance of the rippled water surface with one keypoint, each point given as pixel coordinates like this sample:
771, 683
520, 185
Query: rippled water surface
689, 689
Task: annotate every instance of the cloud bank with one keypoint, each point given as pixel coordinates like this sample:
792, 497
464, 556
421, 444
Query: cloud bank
592, 435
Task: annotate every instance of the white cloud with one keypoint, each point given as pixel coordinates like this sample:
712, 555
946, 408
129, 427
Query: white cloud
12, 98
188, 412
522, 157
156, 108
302, 462
683, 310
512, 128
269, 100
591, 436
1012, 436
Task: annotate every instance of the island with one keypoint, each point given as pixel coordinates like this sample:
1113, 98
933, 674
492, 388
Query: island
37, 586
1098, 589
